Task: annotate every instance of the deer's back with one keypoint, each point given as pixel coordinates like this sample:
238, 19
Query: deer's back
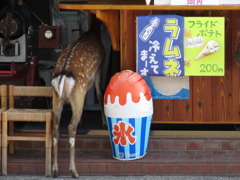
81, 58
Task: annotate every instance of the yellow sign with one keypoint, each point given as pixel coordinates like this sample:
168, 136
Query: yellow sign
204, 46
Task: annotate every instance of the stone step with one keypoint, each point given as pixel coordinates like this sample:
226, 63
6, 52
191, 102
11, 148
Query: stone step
167, 155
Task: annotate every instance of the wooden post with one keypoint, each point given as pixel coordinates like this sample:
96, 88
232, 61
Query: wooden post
4, 144
48, 144
11, 124
3, 96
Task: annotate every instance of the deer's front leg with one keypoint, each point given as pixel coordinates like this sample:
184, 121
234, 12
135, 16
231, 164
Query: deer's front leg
57, 110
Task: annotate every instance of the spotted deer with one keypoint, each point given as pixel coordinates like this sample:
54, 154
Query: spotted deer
78, 67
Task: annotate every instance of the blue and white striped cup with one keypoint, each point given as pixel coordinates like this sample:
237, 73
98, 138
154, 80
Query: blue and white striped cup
136, 133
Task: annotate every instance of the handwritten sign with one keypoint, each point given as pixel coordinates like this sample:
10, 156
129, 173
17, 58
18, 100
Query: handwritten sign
160, 45
194, 2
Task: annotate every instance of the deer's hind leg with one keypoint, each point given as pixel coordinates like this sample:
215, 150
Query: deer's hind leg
57, 110
77, 102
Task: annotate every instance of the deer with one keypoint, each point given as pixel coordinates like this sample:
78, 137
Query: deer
76, 70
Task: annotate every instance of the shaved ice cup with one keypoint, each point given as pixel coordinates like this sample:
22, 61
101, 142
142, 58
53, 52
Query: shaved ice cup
128, 109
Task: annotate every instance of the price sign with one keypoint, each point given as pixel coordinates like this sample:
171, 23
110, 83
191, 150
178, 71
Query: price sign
204, 44
194, 2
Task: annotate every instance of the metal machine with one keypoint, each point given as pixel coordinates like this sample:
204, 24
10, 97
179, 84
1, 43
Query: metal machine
15, 34
17, 62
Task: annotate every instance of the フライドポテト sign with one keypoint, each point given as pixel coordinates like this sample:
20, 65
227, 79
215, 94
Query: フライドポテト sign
204, 46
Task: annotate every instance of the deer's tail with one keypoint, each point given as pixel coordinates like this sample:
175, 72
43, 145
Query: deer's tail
63, 83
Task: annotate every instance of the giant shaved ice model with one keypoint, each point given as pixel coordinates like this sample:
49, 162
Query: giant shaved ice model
128, 109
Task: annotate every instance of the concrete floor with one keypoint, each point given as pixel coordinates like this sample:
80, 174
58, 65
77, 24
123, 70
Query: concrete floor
121, 178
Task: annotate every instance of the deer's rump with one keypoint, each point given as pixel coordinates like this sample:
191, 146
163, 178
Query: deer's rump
78, 64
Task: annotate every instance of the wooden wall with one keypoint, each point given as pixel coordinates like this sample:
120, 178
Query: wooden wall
212, 99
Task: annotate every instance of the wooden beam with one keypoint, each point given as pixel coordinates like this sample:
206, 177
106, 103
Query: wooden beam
23, 138
111, 20
130, 5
